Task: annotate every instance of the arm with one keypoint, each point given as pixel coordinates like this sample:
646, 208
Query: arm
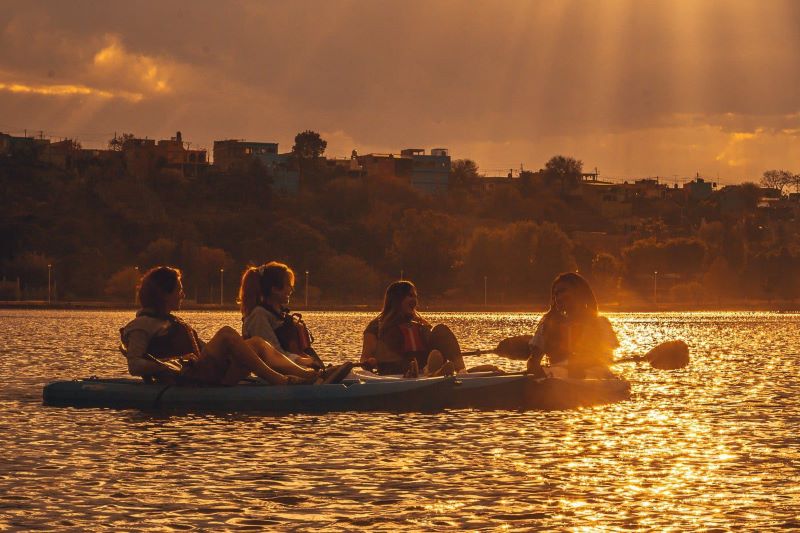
139, 363
368, 347
258, 325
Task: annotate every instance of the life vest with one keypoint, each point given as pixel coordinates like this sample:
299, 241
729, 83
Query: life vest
293, 334
180, 339
413, 339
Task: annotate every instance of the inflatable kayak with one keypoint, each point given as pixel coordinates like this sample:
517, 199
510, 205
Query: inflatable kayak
481, 391
489, 390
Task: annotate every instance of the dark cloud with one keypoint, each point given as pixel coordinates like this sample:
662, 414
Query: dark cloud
382, 75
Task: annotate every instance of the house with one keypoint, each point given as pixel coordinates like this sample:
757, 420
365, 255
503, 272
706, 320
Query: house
232, 154
144, 156
428, 173
21, 147
698, 189
184, 161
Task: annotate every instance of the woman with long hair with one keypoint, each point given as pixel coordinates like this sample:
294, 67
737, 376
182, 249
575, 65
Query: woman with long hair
160, 346
578, 341
400, 341
264, 293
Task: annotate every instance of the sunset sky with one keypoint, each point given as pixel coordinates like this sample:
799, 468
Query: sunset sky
634, 88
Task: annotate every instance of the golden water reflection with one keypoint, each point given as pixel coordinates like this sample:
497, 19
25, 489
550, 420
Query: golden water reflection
712, 446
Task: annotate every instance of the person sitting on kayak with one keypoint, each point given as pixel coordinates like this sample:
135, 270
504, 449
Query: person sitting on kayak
400, 341
577, 340
263, 296
160, 346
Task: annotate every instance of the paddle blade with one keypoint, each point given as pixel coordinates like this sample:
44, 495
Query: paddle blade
515, 347
670, 355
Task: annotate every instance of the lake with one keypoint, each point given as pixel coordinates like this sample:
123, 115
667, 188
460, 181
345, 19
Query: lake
711, 446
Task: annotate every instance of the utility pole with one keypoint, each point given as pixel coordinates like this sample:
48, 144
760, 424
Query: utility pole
221, 272
485, 299
306, 291
49, 271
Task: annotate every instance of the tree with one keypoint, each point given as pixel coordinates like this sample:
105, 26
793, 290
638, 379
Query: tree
606, 270
777, 179
309, 145
161, 251
425, 245
121, 286
117, 143
344, 278
463, 173
563, 170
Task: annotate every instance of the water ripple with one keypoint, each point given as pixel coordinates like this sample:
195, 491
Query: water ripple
713, 446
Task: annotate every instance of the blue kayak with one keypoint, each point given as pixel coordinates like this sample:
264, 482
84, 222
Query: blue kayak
481, 391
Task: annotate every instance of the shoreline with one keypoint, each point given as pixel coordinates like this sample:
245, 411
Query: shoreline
435, 307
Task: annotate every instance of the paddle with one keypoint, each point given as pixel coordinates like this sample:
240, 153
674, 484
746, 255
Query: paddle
512, 347
670, 355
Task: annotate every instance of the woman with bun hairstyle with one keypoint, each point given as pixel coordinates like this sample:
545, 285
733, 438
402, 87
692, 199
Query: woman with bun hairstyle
160, 346
578, 341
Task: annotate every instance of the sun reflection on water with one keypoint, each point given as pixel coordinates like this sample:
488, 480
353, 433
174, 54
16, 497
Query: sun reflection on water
710, 446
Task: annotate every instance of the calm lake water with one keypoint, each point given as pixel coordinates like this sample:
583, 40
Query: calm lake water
716, 445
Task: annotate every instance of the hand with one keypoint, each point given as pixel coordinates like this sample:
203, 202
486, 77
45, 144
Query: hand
294, 380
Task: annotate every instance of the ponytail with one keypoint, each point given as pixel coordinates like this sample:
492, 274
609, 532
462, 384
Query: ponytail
250, 290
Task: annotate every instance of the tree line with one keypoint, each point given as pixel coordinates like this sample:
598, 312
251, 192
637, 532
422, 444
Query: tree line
99, 228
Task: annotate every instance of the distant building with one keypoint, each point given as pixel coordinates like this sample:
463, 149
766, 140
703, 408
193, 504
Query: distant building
62, 154
189, 163
23, 147
492, 183
698, 189
231, 154
144, 156
347, 166
428, 173
611, 200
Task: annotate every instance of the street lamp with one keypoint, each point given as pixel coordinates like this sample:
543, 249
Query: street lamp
49, 271
306, 291
136, 268
485, 300
655, 287
221, 272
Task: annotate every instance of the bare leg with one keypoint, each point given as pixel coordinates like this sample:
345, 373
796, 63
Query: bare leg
277, 360
435, 362
443, 339
228, 344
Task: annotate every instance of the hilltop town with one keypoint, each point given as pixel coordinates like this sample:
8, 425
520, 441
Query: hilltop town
353, 223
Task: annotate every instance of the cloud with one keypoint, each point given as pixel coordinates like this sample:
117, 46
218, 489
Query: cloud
67, 90
617, 83
113, 63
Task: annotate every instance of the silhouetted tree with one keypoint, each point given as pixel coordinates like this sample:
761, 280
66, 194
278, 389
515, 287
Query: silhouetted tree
309, 145
426, 245
117, 143
344, 278
564, 170
121, 286
463, 173
777, 179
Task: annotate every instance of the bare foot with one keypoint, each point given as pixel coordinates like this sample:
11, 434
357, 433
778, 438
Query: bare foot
447, 369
